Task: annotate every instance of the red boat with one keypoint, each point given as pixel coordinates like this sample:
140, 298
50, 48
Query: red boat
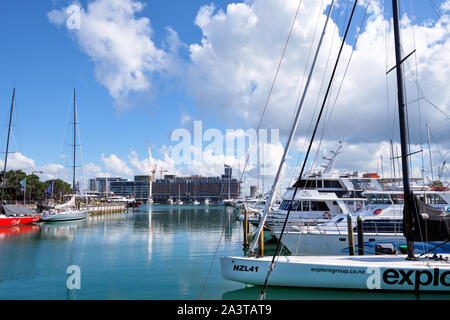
14, 221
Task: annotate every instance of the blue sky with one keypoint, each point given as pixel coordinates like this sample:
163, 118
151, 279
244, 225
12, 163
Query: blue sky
45, 61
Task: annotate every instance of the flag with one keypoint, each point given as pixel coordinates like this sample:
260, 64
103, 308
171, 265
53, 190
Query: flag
50, 188
23, 184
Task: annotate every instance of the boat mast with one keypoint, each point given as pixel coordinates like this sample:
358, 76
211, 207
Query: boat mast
74, 138
407, 212
7, 144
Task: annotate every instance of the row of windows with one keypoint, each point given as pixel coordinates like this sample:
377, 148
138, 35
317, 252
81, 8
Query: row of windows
314, 184
398, 199
304, 206
382, 226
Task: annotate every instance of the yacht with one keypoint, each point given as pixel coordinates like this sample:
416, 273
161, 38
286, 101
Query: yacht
382, 223
207, 201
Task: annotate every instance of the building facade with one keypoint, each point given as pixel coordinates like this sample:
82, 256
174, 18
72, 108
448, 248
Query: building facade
186, 189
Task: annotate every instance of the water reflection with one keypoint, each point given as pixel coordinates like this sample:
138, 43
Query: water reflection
284, 293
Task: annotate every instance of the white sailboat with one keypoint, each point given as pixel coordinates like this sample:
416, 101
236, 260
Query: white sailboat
68, 210
374, 272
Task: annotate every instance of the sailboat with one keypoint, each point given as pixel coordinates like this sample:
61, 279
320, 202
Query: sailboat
371, 272
69, 210
179, 198
13, 215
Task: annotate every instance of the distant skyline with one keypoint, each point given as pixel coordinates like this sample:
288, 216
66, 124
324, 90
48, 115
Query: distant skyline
144, 69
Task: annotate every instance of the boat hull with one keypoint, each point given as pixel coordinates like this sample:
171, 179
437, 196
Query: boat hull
74, 215
15, 221
379, 272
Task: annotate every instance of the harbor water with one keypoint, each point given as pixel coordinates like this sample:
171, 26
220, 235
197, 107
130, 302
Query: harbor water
156, 252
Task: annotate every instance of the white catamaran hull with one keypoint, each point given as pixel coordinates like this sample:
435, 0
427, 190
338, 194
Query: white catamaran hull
379, 272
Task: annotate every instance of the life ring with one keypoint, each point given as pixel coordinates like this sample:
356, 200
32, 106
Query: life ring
377, 212
59, 211
326, 215
358, 206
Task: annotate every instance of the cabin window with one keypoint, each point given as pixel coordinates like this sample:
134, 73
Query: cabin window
382, 226
379, 199
332, 184
305, 205
306, 184
319, 206
398, 199
294, 206
434, 199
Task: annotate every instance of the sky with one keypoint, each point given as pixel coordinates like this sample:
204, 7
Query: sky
153, 70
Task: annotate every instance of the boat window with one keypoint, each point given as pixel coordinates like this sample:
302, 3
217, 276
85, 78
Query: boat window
319, 206
305, 205
379, 198
398, 199
383, 226
332, 184
285, 205
434, 199
306, 184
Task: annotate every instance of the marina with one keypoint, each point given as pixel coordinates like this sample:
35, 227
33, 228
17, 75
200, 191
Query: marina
156, 252
251, 184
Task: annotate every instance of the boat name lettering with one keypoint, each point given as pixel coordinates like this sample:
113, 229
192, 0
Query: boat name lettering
241, 267
420, 278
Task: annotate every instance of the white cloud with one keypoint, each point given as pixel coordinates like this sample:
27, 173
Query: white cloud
234, 64
119, 44
116, 166
18, 161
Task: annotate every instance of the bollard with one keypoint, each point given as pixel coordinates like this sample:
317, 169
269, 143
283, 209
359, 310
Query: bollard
359, 228
351, 245
261, 244
245, 228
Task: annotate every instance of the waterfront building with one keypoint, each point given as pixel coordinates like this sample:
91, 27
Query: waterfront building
102, 185
199, 188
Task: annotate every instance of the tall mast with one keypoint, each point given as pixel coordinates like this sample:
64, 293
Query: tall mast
74, 138
403, 134
7, 144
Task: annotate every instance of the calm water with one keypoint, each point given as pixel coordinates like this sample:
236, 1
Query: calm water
156, 252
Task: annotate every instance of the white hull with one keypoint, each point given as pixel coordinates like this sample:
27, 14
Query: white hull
64, 216
379, 272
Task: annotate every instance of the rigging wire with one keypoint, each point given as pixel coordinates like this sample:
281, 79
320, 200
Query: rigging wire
271, 89
262, 294
327, 121
259, 125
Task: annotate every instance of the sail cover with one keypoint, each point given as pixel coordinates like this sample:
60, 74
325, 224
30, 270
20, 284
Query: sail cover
424, 223
68, 204
18, 211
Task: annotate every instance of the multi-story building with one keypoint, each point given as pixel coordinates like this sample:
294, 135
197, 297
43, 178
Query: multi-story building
198, 188
186, 188
102, 185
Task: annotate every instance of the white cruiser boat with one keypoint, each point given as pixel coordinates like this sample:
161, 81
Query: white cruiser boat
382, 224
